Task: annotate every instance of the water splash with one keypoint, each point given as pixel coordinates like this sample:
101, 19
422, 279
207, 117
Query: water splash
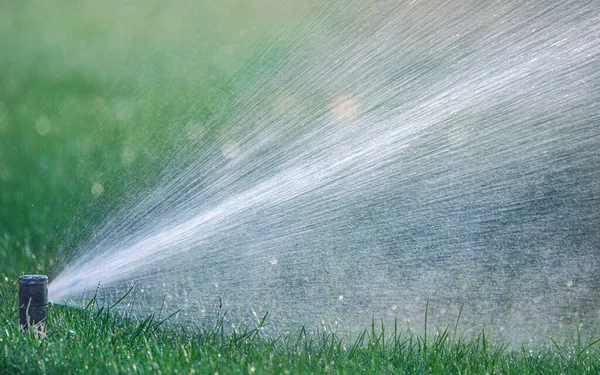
400, 153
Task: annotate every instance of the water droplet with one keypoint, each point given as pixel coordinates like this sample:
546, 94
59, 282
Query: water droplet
43, 125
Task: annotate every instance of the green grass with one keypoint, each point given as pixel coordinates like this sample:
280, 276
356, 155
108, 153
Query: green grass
96, 340
113, 117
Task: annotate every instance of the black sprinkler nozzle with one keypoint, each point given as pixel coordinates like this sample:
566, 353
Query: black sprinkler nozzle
33, 301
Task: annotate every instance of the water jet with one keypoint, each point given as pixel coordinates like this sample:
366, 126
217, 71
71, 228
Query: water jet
395, 153
33, 301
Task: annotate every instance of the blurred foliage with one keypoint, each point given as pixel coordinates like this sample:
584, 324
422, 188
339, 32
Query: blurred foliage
93, 96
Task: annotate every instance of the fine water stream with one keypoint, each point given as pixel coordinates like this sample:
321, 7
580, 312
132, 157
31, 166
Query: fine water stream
397, 154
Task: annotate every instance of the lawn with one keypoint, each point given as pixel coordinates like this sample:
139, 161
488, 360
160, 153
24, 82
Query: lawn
95, 340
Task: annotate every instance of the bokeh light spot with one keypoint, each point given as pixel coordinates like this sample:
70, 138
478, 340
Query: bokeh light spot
231, 150
97, 189
43, 125
127, 156
344, 108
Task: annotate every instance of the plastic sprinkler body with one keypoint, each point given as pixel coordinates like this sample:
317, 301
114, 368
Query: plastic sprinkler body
33, 302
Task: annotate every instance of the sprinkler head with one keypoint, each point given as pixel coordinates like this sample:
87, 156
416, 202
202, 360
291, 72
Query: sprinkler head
33, 302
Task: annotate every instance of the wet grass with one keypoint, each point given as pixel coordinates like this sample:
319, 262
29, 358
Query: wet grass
98, 340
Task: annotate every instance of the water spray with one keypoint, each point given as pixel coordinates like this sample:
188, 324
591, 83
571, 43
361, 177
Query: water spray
367, 158
33, 301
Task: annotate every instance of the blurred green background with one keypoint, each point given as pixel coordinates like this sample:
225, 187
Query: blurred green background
94, 94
